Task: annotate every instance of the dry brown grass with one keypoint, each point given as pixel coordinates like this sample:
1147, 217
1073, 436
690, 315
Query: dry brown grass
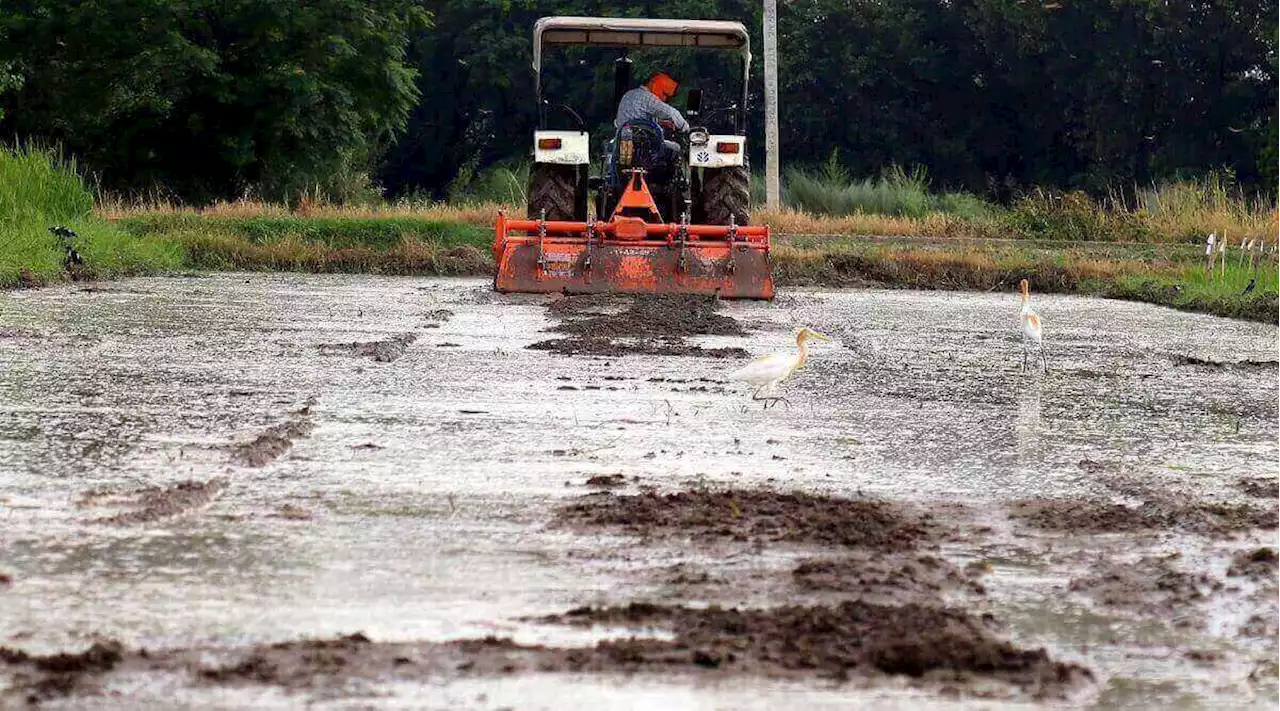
951, 267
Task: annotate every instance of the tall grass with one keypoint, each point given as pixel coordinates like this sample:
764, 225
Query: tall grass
39, 189
830, 190
1189, 209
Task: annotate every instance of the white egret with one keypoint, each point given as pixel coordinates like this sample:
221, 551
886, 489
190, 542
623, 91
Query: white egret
1032, 328
770, 370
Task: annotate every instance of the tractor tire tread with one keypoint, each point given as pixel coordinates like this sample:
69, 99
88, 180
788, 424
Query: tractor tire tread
552, 188
726, 192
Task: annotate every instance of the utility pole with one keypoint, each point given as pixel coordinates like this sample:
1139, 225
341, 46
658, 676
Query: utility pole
772, 183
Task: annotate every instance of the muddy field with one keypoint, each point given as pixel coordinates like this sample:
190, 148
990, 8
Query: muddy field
352, 492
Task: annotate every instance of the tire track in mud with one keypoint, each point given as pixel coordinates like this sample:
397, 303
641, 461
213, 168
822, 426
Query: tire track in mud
276, 440
153, 504
383, 351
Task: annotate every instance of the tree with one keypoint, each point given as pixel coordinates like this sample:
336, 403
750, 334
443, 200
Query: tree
211, 99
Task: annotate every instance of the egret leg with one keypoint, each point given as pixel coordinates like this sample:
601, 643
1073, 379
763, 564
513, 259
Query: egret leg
1024, 355
756, 396
1044, 361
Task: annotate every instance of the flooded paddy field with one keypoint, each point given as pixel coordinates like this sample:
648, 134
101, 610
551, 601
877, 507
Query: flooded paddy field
270, 491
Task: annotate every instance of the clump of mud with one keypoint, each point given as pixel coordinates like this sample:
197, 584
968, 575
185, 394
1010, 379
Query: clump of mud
54, 675
887, 579
1186, 360
155, 504
606, 481
1152, 587
1077, 516
292, 512
755, 515
289, 664
1259, 564
1260, 487
646, 324
274, 441
663, 316
610, 348
854, 637
384, 351
933, 644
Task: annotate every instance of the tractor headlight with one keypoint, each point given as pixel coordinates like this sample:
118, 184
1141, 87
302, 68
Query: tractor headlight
698, 138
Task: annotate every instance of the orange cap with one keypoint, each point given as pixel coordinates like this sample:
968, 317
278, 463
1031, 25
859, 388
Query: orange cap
662, 85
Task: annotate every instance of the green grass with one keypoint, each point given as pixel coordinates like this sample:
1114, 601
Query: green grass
831, 191
334, 232
321, 244
40, 189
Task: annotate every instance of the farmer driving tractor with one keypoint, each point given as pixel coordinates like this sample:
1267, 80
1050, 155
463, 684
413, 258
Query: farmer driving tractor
648, 103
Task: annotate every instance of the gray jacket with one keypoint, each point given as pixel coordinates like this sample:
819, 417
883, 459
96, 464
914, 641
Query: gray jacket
640, 104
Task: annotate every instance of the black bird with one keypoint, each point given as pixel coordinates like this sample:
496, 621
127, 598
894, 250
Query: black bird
1249, 288
73, 259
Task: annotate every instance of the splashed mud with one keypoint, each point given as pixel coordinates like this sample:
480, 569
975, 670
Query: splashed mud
1098, 517
274, 441
756, 515
655, 325
1258, 564
1152, 586
154, 504
384, 351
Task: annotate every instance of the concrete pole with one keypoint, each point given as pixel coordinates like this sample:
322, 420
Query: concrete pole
772, 183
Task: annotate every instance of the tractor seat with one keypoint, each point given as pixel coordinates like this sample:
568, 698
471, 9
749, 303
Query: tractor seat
646, 141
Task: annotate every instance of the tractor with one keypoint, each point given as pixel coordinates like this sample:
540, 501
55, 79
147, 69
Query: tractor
646, 221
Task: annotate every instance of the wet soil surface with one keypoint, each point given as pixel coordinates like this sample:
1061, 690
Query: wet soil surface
1153, 587
153, 504
1260, 487
946, 649
1248, 365
641, 325
44, 677
1258, 564
874, 576
274, 441
757, 516
926, 527
384, 351
833, 641
1210, 518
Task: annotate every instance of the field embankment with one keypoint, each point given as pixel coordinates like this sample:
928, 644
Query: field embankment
1064, 244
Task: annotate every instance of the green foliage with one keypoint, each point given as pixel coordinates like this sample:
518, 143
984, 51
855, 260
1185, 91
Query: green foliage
40, 189
337, 98
897, 192
505, 184
215, 99
333, 232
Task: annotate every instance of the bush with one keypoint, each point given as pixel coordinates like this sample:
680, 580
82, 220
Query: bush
40, 189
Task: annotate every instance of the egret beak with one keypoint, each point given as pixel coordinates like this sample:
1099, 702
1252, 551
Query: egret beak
820, 336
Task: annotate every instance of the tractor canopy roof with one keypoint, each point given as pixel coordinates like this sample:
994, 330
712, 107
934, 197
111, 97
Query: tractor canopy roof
632, 32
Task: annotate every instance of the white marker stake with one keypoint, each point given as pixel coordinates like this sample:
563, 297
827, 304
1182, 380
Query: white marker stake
1208, 255
1222, 254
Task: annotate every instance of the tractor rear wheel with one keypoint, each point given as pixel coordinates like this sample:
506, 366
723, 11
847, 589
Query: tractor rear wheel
726, 192
553, 188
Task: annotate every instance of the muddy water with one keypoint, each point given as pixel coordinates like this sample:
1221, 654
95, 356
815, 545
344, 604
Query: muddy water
406, 489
